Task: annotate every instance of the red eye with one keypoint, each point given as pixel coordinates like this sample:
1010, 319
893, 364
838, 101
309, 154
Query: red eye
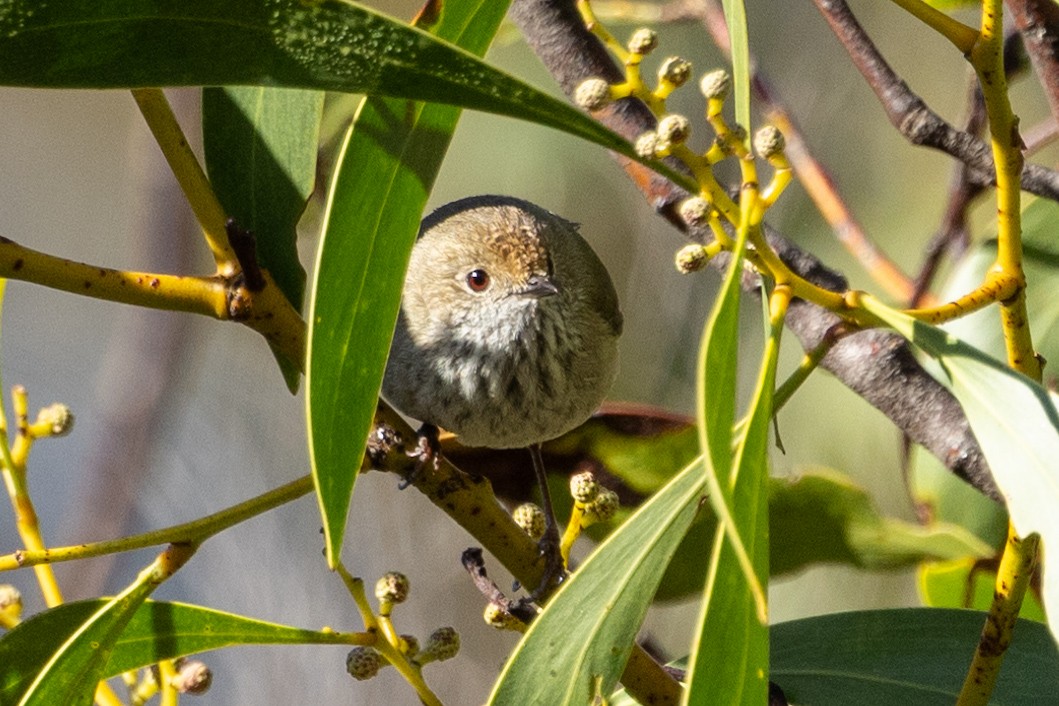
478, 280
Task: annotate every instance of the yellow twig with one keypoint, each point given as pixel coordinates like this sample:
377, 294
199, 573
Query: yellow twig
962, 36
1016, 564
267, 311
190, 175
1013, 578
195, 531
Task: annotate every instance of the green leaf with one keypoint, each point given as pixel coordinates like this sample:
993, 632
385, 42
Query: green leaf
964, 583
729, 662
1015, 421
846, 528
383, 177
333, 45
583, 638
260, 146
735, 17
907, 656
68, 674
156, 631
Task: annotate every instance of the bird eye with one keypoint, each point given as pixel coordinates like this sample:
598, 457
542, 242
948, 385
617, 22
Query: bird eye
478, 280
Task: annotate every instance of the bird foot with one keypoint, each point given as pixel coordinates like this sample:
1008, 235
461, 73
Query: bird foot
427, 451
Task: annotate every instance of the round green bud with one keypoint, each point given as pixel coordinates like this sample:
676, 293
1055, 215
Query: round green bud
392, 587
769, 142
58, 417
603, 507
675, 70
10, 602
192, 677
363, 663
530, 518
716, 84
442, 644
498, 617
695, 211
674, 129
584, 487
647, 145
592, 94
691, 258
643, 41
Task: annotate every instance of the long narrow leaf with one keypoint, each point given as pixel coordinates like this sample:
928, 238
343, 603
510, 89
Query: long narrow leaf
383, 178
331, 46
156, 631
69, 674
261, 147
579, 645
735, 17
730, 656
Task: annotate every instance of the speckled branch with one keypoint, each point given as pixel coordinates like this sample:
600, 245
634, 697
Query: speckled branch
913, 118
877, 365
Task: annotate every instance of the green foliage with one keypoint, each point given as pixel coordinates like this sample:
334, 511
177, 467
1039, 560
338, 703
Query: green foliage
372, 220
1015, 421
590, 624
910, 656
154, 631
59, 660
261, 139
260, 150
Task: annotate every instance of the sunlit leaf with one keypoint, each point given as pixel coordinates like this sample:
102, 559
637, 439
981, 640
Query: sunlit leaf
729, 661
330, 46
1015, 421
383, 177
156, 631
966, 583
585, 635
68, 674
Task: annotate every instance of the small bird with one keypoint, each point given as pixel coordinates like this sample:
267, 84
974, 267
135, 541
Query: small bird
508, 329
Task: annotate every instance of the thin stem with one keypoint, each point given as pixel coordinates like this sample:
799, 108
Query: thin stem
1012, 580
962, 36
193, 182
194, 531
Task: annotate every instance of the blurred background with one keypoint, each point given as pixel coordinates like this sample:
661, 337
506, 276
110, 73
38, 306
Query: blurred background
179, 416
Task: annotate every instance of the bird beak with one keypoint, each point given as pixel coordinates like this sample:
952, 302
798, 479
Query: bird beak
538, 287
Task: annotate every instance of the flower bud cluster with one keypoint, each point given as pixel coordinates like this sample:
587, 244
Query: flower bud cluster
598, 504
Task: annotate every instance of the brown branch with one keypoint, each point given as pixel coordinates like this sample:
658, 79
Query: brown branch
877, 365
910, 114
1038, 23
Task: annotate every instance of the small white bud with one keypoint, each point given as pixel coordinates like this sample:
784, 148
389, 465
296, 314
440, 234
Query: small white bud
695, 212
584, 487
716, 84
393, 587
442, 644
643, 41
691, 258
592, 94
675, 70
647, 145
769, 141
603, 507
674, 129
